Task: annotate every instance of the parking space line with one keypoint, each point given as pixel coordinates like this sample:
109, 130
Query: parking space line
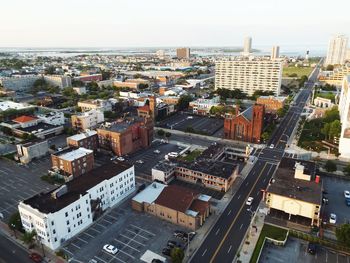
143, 230
103, 219
82, 240
127, 254
127, 245
88, 234
133, 240
100, 259
111, 216
75, 245
95, 230
65, 249
101, 225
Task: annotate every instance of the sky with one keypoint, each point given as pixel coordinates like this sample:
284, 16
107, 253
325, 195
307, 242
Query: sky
161, 23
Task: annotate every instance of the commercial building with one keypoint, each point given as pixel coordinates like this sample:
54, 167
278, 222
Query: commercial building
19, 83
87, 139
296, 191
73, 162
126, 135
53, 118
344, 112
30, 150
208, 173
275, 52
248, 75
203, 106
183, 53
173, 203
60, 81
59, 215
271, 103
98, 104
246, 126
337, 49
87, 120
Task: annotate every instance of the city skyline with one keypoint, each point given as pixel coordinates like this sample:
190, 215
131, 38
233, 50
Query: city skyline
130, 24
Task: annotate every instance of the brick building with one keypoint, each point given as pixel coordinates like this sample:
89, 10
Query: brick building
87, 139
245, 126
74, 162
126, 135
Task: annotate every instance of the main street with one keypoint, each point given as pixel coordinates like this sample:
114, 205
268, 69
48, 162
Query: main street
11, 251
224, 239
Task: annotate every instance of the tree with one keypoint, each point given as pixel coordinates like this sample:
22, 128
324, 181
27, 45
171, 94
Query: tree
28, 237
265, 136
167, 134
50, 70
330, 166
15, 222
325, 130
334, 129
346, 170
330, 67
183, 102
343, 234
161, 133
177, 255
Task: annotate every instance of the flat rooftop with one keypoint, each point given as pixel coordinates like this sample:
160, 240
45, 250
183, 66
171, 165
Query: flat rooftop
40, 125
150, 193
123, 125
74, 154
83, 135
6, 105
285, 184
45, 203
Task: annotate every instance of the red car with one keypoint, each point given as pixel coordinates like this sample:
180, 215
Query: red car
36, 257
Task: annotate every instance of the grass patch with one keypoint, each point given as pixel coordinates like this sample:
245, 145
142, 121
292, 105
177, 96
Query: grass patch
52, 179
296, 71
191, 156
271, 232
326, 95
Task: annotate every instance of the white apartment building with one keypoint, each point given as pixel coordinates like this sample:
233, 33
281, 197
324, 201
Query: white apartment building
98, 104
337, 49
87, 120
59, 80
59, 215
53, 118
248, 75
275, 52
8, 105
203, 106
344, 112
19, 83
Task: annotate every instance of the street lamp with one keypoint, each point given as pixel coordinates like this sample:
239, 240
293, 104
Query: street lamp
252, 213
188, 242
13, 226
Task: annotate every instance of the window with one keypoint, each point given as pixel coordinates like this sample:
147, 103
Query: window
55, 239
67, 222
68, 229
54, 231
66, 214
52, 223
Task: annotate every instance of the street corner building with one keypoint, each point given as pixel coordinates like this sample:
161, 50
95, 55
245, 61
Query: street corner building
60, 214
246, 126
173, 203
295, 192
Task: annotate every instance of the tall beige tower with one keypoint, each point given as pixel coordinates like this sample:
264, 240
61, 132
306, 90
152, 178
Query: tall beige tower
275, 52
247, 46
337, 49
183, 53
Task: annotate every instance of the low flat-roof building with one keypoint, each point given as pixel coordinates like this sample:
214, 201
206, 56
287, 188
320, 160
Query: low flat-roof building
87, 139
30, 150
59, 215
296, 190
73, 162
87, 120
173, 203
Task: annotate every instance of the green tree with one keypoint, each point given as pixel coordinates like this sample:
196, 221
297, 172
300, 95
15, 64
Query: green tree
346, 170
343, 234
183, 102
177, 255
161, 133
167, 134
29, 237
265, 136
335, 128
330, 67
15, 222
330, 166
325, 130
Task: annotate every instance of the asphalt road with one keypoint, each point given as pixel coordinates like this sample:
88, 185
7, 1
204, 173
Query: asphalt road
11, 252
224, 239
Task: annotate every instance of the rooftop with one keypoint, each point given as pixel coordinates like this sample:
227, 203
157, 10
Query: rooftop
24, 118
6, 105
122, 125
45, 203
150, 193
83, 135
279, 98
73, 154
285, 184
40, 126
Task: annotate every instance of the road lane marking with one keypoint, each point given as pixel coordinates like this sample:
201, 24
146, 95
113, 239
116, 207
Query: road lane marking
217, 232
229, 213
235, 219
205, 251
241, 226
246, 183
239, 197
228, 251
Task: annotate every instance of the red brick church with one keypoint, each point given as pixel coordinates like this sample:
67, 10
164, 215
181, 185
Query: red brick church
245, 126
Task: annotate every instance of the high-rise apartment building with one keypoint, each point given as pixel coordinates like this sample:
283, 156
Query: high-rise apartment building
337, 49
248, 75
344, 112
183, 53
275, 52
247, 47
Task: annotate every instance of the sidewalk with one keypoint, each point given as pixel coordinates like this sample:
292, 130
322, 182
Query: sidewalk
49, 255
251, 238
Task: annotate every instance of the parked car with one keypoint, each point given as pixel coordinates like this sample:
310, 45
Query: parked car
272, 146
333, 218
140, 161
166, 251
325, 200
156, 151
347, 194
179, 233
121, 159
110, 249
311, 248
36, 257
172, 244
249, 200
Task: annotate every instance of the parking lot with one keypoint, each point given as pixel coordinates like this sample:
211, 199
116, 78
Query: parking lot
150, 158
295, 250
336, 201
131, 232
19, 183
206, 125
